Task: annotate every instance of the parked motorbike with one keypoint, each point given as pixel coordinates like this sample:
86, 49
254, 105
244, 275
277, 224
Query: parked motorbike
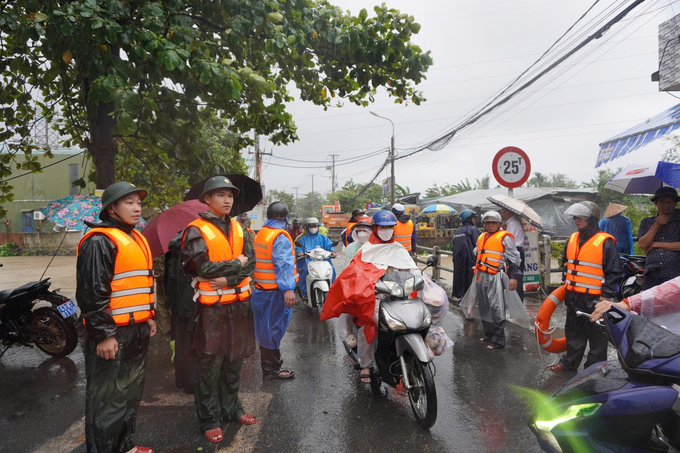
319, 276
34, 314
402, 356
632, 405
633, 275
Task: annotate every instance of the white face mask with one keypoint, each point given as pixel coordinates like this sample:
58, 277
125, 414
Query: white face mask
362, 236
385, 235
313, 230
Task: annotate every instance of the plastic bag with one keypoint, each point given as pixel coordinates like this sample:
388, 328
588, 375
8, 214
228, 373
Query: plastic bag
437, 340
435, 298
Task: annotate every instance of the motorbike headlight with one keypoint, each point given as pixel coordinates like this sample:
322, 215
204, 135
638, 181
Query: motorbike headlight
572, 413
427, 318
409, 284
314, 274
393, 323
395, 289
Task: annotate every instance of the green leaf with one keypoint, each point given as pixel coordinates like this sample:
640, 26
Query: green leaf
171, 60
206, 75
97, 24
110, 35
40, 17
363, 14
110, 83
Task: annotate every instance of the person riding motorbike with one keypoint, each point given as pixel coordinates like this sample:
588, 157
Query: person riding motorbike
309, 240
346, 235
360, 234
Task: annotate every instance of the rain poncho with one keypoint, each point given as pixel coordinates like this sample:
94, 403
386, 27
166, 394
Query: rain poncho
619, 227
464, 243
271, 315
354, 247
660, 304
489, 299
310, 242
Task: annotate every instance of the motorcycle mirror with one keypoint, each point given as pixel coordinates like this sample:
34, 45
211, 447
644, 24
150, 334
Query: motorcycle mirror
298, 243
335, 243
420, 283
431, 261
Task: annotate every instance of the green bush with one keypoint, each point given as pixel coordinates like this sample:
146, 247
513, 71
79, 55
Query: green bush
10, 249
557, 249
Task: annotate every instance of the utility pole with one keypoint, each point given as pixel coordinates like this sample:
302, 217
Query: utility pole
297, 210
332, 169
258, 171
392, 181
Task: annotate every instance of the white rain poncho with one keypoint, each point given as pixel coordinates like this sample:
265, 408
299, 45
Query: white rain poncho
660, 304
489, 298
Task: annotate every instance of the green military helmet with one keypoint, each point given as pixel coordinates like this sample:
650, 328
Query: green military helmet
116, 191
217, 182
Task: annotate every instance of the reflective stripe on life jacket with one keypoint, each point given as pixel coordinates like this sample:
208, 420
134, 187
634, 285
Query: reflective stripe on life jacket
490, 251
220, 249
584, 265
132, 280
265, 277
403, 233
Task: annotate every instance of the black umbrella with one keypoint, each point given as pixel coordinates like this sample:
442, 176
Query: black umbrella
247, 199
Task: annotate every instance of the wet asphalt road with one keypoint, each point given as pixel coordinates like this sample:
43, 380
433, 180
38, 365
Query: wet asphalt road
324, 409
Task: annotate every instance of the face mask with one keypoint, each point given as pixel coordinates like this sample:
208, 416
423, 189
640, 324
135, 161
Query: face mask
362, 236
313, 230
385, 235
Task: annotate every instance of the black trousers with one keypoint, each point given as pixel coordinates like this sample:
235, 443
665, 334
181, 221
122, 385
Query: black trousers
520, 283
114, 390
494, 333
185, 363
271, 361
580, 332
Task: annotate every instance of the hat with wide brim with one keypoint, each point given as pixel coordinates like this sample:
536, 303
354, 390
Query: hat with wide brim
217, 182
614, 209
115, 192
666, 192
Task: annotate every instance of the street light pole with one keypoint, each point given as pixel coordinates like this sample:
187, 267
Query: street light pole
392, 181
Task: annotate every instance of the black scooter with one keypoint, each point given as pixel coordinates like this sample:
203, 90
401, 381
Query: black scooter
34, 314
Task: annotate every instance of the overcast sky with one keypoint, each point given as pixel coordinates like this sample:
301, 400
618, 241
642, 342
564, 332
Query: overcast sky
478, 47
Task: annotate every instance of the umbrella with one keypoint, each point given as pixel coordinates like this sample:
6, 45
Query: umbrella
438, 209
247, 199
645, 178
74, 210
161, 230
518, 207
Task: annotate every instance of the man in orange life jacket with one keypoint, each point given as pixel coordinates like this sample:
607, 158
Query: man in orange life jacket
593, 271
273, 297
404, 231
218, 254
115, 293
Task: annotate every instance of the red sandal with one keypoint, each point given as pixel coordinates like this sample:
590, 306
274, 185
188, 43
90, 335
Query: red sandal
246, 419
214, 435
143, 450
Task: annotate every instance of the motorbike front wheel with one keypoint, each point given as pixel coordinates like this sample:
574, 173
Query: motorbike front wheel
320, 298
55, 336
422, 394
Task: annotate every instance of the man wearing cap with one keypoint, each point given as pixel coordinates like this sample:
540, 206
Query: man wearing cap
404, 231
114, 278
618, 225
346, 235
244, 220
660, 238
220, 257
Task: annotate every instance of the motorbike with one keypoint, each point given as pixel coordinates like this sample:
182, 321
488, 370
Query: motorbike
32, 314
633, 275
319, 276
402, 356
632, 405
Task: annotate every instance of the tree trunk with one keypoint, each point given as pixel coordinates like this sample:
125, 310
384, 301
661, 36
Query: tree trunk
102, 146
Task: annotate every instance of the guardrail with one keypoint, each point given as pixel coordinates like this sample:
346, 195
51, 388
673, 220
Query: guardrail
436, 252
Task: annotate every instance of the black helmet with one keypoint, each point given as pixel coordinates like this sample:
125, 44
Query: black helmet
217, 182
357, 211
277, 210
116, 191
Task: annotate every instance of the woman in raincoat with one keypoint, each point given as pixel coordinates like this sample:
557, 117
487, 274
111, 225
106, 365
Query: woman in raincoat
496, 276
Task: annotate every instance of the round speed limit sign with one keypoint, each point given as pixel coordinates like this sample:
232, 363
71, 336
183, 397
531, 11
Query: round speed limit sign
511, 167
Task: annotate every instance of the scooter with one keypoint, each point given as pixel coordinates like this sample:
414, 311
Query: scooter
319, 276
632, 405
402, 356
34, 314
633, 275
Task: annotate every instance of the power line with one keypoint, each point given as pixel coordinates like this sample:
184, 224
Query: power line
42, 167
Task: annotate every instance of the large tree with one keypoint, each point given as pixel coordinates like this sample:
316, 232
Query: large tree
350, 197
123, 71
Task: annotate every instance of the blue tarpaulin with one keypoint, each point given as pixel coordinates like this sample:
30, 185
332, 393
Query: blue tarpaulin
639, 136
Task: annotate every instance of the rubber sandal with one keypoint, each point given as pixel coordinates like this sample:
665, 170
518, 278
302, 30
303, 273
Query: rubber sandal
365, 378
143, 450
246, 419
557, 367
278, 375
214, 435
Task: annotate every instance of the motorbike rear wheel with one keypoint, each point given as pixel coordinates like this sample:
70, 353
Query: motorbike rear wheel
320, 299
422, 394
56, 336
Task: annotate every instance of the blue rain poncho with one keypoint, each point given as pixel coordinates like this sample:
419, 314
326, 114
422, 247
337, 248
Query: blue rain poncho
619, 227
310, 242
271, 315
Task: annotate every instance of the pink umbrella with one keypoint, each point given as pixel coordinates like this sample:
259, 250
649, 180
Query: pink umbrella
161, 230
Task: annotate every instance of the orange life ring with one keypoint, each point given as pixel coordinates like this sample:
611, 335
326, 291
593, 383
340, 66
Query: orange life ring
547, 342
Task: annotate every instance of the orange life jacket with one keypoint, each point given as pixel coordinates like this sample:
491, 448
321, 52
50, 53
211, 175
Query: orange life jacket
403, 233
132, 280
584, 265
220, 249
490, 251
264, 267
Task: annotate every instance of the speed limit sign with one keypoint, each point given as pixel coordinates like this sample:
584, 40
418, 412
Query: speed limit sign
511, 167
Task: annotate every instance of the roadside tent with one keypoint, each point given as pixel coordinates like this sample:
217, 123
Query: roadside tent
549, 202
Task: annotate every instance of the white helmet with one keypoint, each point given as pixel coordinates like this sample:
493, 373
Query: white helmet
491, 216
398, 208
583, 209
310, 221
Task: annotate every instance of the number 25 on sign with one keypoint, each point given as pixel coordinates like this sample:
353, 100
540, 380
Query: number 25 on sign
511, 167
